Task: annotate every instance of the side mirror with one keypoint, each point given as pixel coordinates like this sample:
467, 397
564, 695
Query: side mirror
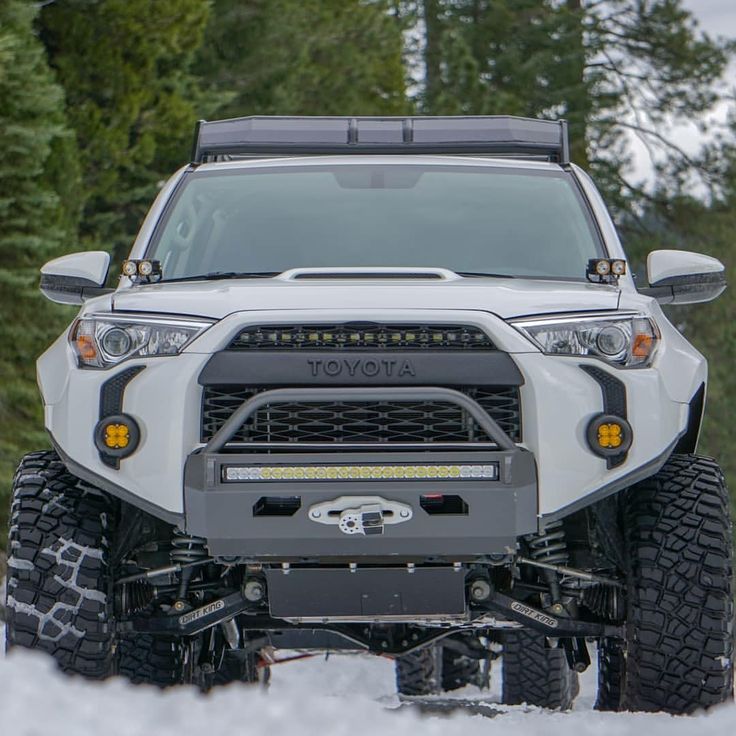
681, 277
72, 279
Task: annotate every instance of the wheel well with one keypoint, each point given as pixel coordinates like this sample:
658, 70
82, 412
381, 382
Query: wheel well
688, 443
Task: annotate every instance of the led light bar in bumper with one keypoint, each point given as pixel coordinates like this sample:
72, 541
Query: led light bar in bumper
261, 473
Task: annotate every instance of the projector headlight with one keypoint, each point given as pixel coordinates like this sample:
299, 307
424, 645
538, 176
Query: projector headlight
106, 340
624, 340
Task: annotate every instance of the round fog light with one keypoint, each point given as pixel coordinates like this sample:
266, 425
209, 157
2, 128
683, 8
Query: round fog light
117, 436
609, 435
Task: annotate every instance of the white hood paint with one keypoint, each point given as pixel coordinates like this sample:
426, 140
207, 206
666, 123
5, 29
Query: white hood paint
506, 298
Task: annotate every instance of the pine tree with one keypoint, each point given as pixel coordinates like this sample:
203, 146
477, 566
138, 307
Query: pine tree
304, 57
614, 69
132, 100
38, 212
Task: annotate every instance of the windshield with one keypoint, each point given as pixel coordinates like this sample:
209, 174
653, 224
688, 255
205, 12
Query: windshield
472, 219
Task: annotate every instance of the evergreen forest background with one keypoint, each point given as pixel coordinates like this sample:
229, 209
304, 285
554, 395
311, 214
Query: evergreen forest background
99, 100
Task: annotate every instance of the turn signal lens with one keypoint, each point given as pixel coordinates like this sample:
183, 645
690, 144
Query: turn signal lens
642, 346
86, 347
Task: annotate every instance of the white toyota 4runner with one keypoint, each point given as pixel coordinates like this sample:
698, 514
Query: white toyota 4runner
385, 385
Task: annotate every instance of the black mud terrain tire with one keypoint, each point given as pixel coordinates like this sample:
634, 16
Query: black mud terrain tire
59, 581
420, 672
611, 665
679, 632
151, 660
240, 667
459, 670
535, 674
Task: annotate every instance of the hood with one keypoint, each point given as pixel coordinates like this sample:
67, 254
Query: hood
504, 297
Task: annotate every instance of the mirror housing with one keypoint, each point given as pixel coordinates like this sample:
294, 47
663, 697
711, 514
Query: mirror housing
73, 278
682, 277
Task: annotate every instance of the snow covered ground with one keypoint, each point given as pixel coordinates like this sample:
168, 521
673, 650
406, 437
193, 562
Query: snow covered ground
341, 696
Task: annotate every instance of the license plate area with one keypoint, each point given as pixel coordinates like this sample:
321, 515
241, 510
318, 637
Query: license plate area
366, 593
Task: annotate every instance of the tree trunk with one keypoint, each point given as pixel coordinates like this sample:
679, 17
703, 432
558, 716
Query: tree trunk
432, 53
578, 99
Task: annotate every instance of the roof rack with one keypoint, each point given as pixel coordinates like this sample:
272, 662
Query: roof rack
480, 135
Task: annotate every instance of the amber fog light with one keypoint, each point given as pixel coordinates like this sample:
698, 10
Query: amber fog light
609, 435
117, 436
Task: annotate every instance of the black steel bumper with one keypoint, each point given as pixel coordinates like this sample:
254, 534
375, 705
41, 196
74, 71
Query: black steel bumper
485, 516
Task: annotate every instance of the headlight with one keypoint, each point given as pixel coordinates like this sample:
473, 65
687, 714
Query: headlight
625, 340
106, 340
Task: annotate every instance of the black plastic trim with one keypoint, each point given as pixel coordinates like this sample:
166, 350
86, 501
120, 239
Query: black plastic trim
70, 289
710, 278
692, 289
688, 442
614, 403
403, 368
112, 392
430, 393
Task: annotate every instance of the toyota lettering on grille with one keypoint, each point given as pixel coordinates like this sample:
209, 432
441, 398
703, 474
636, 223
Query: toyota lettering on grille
361, 367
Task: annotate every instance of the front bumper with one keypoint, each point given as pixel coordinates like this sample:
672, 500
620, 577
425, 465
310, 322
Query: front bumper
227, 513
352, 509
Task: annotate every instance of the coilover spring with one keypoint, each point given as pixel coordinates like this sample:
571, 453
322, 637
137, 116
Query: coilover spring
550, 545
186, 548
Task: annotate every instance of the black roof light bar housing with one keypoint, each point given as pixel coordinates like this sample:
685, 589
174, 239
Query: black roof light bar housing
490, 135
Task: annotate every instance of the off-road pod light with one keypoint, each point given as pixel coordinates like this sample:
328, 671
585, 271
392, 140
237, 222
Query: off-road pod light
605, 269
144, 269
609, 435
117, 436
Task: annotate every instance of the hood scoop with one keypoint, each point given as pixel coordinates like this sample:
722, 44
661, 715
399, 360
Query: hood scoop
370, 273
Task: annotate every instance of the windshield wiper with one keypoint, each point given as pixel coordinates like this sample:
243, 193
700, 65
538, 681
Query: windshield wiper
221, 275
486, 275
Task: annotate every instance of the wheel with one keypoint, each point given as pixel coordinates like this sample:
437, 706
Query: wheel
58, 572
535, 674
240, 667
679, 631
459, 670
213, 663
611, 664
151, 660
420, 672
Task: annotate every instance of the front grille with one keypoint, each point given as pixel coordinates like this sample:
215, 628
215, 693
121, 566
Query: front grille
362, 336
380, 422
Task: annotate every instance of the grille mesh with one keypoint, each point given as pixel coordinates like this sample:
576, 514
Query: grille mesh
358, 422
361, 336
